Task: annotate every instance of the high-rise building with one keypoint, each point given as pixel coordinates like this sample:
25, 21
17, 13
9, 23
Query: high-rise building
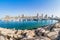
52, 16
22, 15
46, 16
42, 16
37, 15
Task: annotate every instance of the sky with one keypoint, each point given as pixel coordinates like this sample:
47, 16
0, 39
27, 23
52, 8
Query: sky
29, 7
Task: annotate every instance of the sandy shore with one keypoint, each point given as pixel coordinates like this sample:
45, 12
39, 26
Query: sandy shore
51, 32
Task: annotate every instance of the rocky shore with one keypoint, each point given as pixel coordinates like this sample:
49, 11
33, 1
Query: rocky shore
51, 32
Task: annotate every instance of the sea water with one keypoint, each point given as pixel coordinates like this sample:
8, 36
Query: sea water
25, 24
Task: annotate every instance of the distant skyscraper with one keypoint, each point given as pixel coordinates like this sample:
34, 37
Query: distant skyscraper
37, 15
52, 16
22, 15
45, 16
42, 15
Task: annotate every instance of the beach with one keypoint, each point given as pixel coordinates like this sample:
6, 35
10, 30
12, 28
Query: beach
51, 32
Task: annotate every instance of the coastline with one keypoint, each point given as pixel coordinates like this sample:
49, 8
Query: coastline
45, 33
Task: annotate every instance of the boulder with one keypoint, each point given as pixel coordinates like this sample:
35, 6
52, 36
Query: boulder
58, 37
30, 34
57, 25
11, 38
2, 38
19, 32
19, 36
52, 35
15, 36
45, 38
47, 31
56, 29
7, 31
40, 32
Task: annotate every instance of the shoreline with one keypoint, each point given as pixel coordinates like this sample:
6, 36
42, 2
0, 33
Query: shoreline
45, 33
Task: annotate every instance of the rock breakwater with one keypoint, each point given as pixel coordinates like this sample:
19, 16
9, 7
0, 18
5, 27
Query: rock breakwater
51, 32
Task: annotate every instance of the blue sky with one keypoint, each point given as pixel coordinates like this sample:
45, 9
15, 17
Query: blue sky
29, 7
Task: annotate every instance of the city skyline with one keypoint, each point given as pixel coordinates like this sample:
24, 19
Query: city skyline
29, 7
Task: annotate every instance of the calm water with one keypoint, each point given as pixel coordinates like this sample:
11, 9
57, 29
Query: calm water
26, 25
